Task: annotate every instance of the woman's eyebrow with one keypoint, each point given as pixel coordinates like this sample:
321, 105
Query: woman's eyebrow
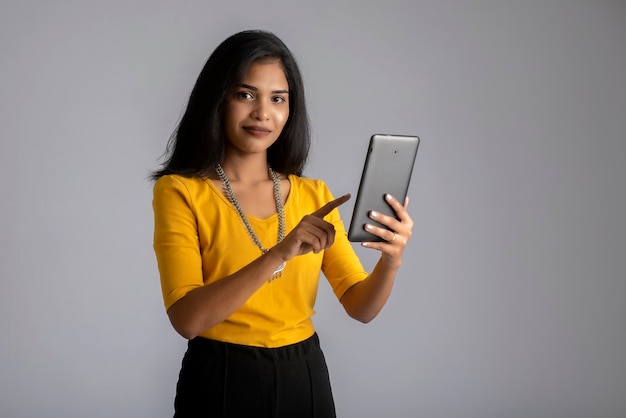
249, 87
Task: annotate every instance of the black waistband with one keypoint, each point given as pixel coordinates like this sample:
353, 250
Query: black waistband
225, 350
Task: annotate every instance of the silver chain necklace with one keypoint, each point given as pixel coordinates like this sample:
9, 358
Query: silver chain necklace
279, 208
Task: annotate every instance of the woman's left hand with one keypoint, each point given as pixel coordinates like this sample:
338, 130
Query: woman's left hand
395, 239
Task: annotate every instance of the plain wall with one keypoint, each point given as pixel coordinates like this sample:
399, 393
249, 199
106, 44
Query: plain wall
511, 298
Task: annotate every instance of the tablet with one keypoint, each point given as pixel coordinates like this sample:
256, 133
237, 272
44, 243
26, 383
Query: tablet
388, 167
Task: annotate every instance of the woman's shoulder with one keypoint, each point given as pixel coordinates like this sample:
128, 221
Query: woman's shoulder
189, 185
177, 180
309, 184
305, 189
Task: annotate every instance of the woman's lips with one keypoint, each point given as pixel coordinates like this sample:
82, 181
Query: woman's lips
257, 130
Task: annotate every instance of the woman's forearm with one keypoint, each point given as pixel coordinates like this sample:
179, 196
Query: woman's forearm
207, 306
364, 300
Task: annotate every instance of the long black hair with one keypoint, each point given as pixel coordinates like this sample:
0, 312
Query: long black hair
198, 143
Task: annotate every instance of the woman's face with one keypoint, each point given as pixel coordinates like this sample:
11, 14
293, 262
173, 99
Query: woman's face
258, 108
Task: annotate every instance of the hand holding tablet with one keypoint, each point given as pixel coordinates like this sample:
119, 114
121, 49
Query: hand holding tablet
387, 170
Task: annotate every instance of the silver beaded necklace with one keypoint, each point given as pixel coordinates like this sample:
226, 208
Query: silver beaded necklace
244, 219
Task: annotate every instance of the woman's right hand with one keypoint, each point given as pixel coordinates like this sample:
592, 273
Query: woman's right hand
312, 233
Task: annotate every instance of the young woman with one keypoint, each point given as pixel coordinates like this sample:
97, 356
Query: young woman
241, 238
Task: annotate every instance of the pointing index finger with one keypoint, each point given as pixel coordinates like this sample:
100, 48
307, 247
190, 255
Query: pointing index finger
328, 207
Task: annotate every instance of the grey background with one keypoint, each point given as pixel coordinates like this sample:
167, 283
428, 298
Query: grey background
511, 299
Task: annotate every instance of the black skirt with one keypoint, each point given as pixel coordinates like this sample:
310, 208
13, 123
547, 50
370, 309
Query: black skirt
225, 380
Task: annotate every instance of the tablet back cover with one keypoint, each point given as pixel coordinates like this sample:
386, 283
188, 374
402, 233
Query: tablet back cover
388, 168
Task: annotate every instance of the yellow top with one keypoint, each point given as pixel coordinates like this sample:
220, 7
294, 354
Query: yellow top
199, 239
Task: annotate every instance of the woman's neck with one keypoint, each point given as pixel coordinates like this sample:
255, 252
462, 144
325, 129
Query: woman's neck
249, 169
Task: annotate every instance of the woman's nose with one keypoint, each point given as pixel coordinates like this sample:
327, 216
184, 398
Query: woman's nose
261, 111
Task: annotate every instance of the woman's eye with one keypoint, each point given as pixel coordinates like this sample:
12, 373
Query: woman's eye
244, 95
278, 99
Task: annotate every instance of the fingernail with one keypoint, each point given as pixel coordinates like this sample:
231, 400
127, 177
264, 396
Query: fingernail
388, 196
374, 214
368, 227
364, 244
